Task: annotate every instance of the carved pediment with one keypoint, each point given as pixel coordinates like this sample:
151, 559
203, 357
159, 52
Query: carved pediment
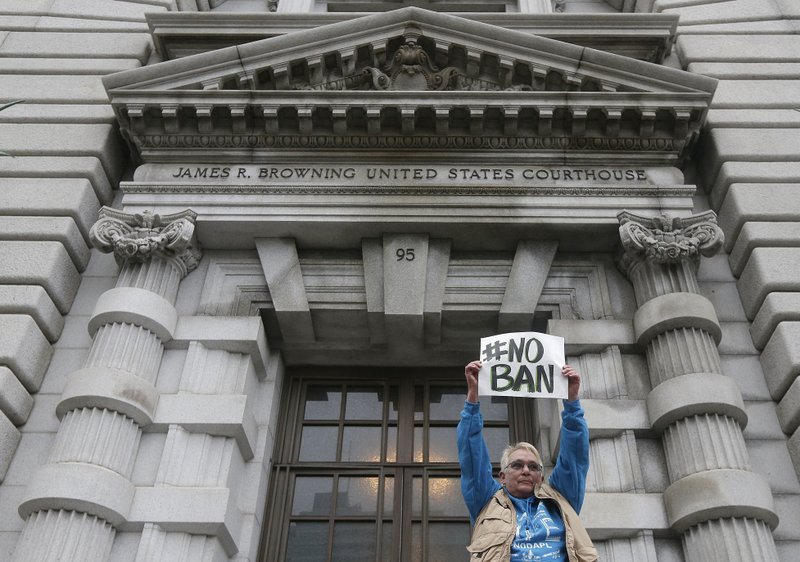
411, 79
410, 69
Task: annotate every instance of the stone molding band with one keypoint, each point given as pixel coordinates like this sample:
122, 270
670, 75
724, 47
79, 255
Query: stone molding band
675, 311
717, 494
695, 394
83, 487
131, 305
112, 389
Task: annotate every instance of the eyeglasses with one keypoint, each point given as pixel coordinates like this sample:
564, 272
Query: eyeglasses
517, 466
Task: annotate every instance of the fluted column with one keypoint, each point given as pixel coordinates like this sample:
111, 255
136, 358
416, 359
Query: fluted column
75, 502
723, 510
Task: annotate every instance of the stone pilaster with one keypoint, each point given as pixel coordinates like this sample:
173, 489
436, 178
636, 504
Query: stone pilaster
722, 509
75, 502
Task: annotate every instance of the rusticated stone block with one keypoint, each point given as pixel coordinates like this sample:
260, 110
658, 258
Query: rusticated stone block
15, 402
24, 349
33, 301
40, 167
40, 139
762, 234
757, 202
61, 229
781, 358
9, 439
748, 145
789, 408
738, 48
56, 44
41, 263
777, 308
50, 197
768, 270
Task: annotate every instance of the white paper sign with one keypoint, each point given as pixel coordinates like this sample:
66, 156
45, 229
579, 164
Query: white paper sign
522, 364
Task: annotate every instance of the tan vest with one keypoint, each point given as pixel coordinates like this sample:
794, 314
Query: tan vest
497, 522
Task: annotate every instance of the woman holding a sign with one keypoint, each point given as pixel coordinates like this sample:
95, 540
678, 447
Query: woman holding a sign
522, 517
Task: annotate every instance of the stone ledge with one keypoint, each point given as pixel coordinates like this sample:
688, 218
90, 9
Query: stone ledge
221, 415
718, 494
616, 515
781, 358
229, 333
609, 418
82, 487
592, 336
131, 305
196, 510
674, 311
695, 394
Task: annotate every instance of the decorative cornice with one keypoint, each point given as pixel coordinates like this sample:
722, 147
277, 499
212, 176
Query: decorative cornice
641, 36
139, 237
665, 239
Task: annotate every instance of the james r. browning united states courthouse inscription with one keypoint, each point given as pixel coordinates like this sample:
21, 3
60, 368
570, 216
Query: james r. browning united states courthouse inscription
433, 174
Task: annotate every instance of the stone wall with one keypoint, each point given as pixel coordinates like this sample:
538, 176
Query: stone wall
749, 165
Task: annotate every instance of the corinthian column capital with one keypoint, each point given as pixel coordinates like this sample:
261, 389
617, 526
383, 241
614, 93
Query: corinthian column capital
667, 240
138, 237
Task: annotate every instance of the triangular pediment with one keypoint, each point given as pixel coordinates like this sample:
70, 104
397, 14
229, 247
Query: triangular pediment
421, 78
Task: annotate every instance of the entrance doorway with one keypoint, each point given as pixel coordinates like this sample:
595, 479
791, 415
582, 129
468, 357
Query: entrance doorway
366, 466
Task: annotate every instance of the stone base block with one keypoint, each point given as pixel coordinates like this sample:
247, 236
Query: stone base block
24, 349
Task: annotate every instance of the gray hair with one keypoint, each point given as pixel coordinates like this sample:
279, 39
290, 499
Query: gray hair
522, 445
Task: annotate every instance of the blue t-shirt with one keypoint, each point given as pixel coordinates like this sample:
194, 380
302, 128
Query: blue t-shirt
540, 530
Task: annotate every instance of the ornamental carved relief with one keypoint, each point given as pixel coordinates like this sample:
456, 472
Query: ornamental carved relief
410, 69
138, 237
665, 239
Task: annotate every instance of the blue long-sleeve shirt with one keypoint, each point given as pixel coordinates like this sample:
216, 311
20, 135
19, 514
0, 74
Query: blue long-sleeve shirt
540, 530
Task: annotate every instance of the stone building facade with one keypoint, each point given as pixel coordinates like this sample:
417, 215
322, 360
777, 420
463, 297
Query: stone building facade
247, 247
